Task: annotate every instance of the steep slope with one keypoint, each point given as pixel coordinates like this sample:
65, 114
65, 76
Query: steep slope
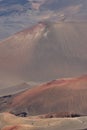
58, 97
44, 52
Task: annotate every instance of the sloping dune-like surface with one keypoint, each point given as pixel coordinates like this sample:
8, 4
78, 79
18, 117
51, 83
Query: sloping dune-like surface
11, 122
44, 52
58, 97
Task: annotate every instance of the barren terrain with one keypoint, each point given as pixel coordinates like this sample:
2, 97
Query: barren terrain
58, 98
44, 52
11, 122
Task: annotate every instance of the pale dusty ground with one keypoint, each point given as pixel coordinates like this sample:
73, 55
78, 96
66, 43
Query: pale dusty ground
11, 122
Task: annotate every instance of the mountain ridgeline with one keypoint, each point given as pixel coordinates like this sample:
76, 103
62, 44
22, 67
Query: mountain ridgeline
45, 52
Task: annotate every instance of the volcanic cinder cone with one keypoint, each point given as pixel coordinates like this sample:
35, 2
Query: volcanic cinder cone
59, 96
44, 52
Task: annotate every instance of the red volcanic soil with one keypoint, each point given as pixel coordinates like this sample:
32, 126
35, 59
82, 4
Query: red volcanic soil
73, 83
58, 96
60, 114
12, 128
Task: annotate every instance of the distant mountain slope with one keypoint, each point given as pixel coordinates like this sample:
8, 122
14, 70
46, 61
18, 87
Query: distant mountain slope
59, 96
16, 88
46, 51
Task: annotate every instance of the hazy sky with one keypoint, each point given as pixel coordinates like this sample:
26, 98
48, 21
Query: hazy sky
17, 15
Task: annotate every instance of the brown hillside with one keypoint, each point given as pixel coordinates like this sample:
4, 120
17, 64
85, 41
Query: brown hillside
58, 96
44, 52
